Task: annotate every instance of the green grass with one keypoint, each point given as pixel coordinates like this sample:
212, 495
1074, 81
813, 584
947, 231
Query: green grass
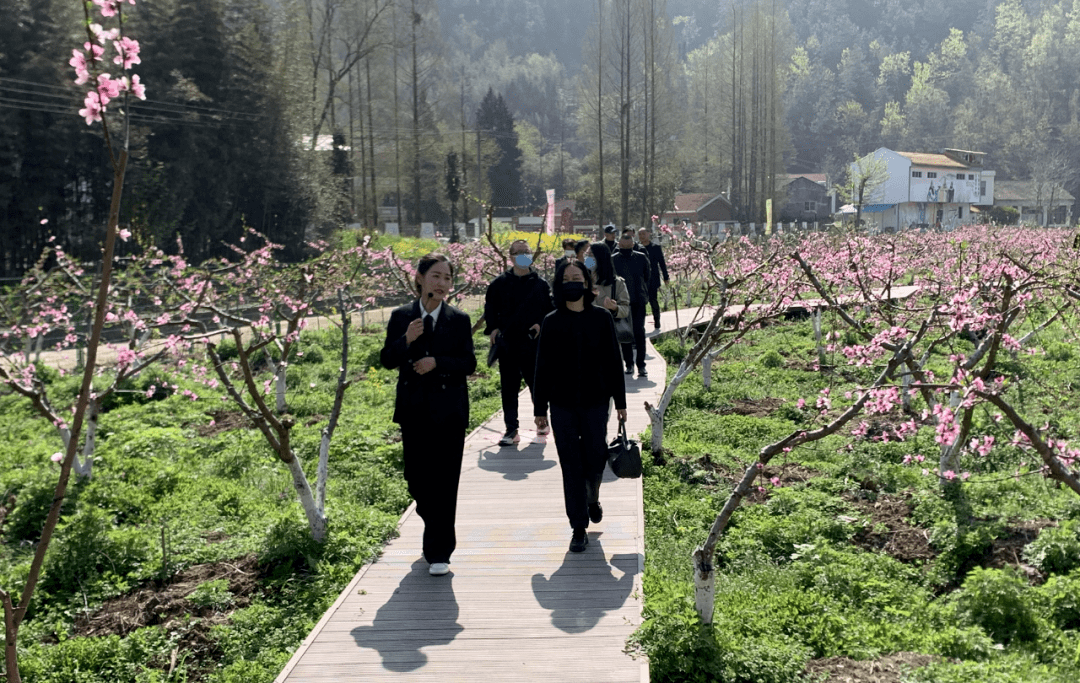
794, 584
164, 497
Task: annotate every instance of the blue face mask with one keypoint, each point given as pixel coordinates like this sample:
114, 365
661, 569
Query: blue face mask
523, 260
590, 262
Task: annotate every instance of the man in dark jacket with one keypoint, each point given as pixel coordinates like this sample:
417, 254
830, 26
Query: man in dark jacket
659, 267
514, 306
611, 238
633, 267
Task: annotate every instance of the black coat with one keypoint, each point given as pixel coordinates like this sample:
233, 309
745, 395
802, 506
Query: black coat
513, 304
636, 270
581, 346
659, 266
441, 394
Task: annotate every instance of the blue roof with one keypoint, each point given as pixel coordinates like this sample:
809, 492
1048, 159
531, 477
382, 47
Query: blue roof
876, 208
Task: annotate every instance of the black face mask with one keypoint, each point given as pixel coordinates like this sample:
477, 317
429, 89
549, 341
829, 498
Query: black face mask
625, 252
572, 291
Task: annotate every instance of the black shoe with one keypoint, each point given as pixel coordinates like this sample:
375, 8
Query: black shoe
510, 438
656, 326
596, 513
642, 373
629, 369
578, 541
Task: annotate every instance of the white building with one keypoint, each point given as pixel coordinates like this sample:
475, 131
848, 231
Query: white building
928, 190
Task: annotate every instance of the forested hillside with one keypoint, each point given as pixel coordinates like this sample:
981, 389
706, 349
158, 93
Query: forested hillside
619, 104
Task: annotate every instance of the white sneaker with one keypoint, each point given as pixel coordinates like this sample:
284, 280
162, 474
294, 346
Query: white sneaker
439, 568
543, 431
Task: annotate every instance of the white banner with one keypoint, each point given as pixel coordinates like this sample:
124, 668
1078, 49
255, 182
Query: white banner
550, 222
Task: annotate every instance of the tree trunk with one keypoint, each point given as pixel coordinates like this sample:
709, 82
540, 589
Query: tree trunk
371, 147
706, 371
703, 555
11, 634
13, 616
418, 216
84, 468
704, 588
316, 515
600, 107
816, 315
656, 414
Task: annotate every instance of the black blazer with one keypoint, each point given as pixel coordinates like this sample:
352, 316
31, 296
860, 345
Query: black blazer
442, 394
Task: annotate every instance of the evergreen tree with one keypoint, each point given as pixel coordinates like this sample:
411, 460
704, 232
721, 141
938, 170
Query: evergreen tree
504, 177
51, 164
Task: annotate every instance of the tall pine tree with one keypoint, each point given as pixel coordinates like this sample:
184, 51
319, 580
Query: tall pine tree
504, 177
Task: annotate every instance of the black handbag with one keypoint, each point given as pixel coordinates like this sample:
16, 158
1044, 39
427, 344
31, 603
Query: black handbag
624, 330
624, 456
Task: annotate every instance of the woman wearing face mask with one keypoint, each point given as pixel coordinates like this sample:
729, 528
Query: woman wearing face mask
569, 253
578, 340
430, 342
611, 292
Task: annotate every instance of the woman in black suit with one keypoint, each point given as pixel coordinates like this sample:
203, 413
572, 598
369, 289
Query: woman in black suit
431, 344
578, 340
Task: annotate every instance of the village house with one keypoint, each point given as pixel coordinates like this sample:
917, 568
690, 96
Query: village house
807, 197
698, 208
1036, 203
925, 190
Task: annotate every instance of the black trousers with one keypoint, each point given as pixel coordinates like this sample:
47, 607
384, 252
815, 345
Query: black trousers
517, 362
432, 454
581, 441
654, 304
637, 319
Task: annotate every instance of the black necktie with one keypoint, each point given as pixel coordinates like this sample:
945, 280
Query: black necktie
422, 348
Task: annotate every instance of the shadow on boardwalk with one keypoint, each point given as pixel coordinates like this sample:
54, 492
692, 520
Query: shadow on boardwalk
426, 609
579, 594
514, 464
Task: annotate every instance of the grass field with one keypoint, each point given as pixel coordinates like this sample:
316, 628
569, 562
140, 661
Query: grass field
847, 552
187, 558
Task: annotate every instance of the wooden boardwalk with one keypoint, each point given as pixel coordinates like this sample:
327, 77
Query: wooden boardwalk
517, 605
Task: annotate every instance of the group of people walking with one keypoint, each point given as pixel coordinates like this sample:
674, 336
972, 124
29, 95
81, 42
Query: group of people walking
559, 338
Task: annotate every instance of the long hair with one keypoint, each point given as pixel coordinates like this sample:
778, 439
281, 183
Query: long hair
605, 271
424, 265
560, 273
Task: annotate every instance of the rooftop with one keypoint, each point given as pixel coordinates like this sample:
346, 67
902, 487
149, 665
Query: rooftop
1027, 190
819, 178
939, 160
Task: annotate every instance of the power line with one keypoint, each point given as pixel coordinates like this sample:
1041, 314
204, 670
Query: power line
158, 118
67, 91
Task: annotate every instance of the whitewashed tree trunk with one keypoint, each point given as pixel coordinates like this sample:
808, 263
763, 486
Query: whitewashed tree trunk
335, 412
656, 414
280, 385
706, 371
704, 591
816, 316
84, 467
316, 516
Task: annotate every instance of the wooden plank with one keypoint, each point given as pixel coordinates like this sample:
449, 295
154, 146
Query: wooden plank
516, 605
